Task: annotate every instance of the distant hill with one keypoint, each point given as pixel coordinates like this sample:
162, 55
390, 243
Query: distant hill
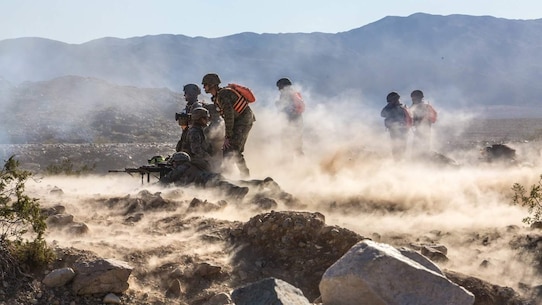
485, 65
457, 59
74, 109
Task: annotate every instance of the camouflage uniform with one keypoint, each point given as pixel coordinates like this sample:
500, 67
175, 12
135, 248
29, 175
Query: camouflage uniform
183, 122
197, 147
423, 116
291, 104
187, 173
191, 103
396, 121
421, 132
214, 133
237, 126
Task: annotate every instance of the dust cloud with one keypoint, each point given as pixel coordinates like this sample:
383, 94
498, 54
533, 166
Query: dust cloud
348, 175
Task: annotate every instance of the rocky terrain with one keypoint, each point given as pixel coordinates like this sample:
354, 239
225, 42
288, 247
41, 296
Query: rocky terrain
192, 246
189, 246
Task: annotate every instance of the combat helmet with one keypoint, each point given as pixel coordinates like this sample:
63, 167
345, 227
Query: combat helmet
392, 97
283, 82
417, 94
180, 156
191, 89
156, 160
211, 79
198, 113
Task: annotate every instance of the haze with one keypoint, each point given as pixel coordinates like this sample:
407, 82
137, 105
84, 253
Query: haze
80, 21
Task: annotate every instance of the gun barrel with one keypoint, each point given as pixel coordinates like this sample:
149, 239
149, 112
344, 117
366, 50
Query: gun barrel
144, 170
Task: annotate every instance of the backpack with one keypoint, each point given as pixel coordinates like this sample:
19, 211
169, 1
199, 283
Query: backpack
431, 114
299, 104
408, 117
244, 91
244, 97
399, 118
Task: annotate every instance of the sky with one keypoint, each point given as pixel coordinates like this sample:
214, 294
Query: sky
79, 21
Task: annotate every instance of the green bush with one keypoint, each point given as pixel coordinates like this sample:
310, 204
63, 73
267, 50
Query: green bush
532, 200
66, 167
21, 223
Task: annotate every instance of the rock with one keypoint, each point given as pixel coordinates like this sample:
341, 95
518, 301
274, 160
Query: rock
264, 203
379, 274
486, 293
134, 218
59, 219
276, 240
434, 254
111, 298
499, 153
78, 228
219, 299
420, 259
59, 277
101, 276
57, 209
56, 191
203, 206
174, 290
269, 291
206, 270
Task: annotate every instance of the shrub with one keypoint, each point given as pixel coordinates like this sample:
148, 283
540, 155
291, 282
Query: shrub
532, 200
67, 167
21, 224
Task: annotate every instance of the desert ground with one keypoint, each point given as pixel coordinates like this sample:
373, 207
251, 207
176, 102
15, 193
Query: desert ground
196, 236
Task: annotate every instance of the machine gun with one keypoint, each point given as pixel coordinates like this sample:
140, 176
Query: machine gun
161, 169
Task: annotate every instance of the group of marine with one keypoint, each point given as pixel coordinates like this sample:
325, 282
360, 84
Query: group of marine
400, 120
215, 134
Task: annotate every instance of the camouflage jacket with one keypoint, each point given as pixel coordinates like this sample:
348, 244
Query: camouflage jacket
224, 100
396, 116
189, 174
196, 144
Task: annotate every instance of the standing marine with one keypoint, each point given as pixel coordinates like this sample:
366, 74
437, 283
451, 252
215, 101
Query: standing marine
423, 117
191, 93
397, 121
238, 120
292, 105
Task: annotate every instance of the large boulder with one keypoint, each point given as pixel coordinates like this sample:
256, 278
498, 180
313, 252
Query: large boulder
296, 247
101, 276
378, 274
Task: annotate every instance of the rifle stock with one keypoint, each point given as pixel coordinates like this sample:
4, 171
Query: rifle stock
143, 170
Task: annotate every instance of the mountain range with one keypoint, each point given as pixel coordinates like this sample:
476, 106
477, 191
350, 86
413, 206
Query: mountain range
482, 64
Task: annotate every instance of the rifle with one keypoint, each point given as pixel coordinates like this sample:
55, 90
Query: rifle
143, 170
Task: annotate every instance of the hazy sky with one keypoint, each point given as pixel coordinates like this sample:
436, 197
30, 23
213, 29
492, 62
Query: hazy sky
78, 21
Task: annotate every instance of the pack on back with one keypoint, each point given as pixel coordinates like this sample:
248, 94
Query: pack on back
431, 114
407, 116
245, 96
299, 103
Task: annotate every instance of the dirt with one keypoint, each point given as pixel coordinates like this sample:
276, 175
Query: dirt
210, 245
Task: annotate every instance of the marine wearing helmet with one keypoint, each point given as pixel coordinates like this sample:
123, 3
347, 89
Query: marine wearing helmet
283, 82
180, 157
199, 113
191, 90
392, 97
210, 79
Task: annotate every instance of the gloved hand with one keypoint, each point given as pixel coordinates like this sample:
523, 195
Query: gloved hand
226, 144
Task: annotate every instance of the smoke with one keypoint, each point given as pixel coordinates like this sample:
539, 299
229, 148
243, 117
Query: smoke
347, 174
